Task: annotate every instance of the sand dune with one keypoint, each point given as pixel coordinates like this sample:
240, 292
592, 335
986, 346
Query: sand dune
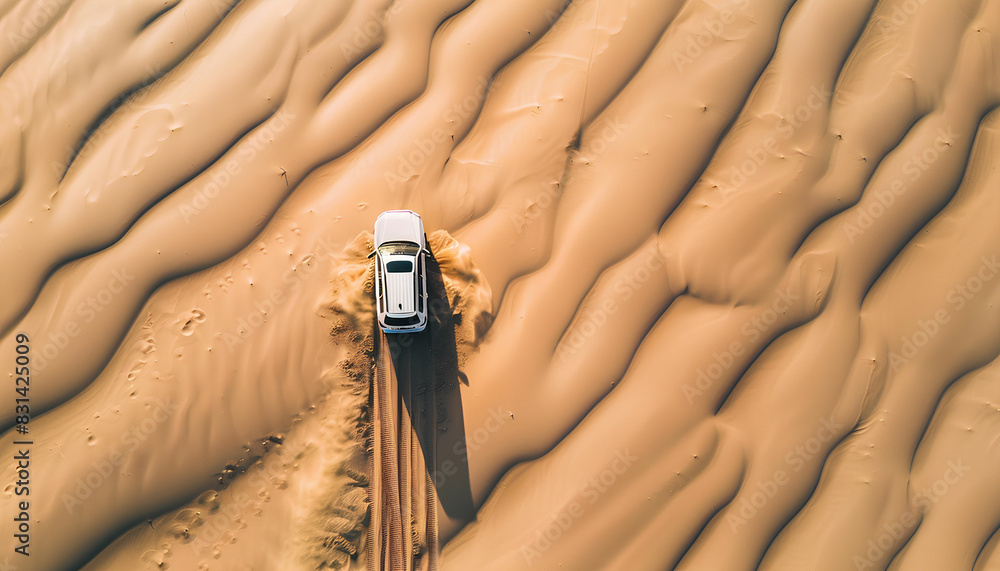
716, 284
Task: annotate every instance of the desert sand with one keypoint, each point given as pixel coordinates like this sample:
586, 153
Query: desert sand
716, 282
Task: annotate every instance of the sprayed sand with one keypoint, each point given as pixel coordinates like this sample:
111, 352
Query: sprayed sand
717, 282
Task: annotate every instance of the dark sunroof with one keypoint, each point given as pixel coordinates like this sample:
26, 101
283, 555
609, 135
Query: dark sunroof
399, 266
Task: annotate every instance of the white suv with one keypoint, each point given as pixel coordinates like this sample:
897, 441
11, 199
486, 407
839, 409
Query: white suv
400, 271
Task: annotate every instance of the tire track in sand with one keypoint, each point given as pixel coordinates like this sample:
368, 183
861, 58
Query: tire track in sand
402, 533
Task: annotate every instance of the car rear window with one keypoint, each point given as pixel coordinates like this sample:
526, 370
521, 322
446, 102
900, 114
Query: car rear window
411, 320
399, 266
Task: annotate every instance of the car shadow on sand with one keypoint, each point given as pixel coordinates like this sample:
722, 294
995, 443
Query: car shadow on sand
428, 377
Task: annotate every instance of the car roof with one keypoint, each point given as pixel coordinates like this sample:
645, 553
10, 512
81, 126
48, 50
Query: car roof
399, 287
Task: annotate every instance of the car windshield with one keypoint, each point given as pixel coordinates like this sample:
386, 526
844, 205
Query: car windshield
399, 266
401, 248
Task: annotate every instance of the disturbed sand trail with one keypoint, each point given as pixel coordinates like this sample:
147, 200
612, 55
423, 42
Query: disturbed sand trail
718, 284
391, 524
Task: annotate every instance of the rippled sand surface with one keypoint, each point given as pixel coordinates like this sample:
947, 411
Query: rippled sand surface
721, 280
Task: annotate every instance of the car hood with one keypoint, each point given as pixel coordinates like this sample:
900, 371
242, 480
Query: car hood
399, 225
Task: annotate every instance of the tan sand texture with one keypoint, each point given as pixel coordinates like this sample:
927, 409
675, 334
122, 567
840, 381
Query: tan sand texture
716, 284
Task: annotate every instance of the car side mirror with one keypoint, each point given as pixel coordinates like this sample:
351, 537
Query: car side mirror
372, 254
